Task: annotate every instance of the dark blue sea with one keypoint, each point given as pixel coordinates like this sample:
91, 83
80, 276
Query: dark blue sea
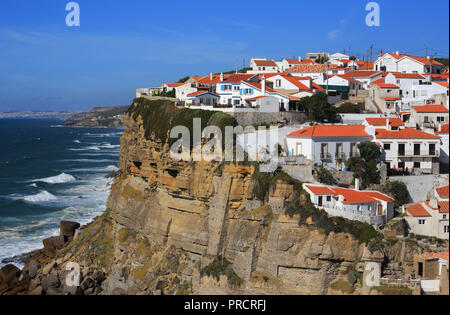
50, 173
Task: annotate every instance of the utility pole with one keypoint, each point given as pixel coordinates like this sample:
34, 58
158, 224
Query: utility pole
349, 49
371, 56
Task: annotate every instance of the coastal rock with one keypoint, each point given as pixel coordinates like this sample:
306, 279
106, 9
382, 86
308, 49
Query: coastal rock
68, 229
53, 244
50, 281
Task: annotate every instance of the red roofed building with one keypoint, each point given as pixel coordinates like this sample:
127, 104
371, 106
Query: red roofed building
432, 269
397, 62
429, 218
263, 66
371, 207
430, 116
391, 124
409, 150
442, 193
329, 145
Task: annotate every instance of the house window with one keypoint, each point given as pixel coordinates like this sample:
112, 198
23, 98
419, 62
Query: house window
441, 119
416, 164
328, 198
387, 146
446, 229
278, 83
425, 119
444, 217
422, 222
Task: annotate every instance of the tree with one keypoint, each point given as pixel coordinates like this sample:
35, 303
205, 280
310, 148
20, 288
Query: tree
365, 167
349, 108
370, 151
183, 80
399, 191
318, 108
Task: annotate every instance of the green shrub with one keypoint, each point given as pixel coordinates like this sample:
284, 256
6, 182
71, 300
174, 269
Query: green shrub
221, 267
342, 286
324, 176
398, 191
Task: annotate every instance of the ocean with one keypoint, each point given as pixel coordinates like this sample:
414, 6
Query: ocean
50, 173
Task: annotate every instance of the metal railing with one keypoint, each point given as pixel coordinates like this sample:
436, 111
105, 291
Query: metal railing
325, 156
341, 156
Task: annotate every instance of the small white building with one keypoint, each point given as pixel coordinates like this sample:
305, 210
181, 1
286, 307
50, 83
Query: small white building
409, 150
396, 62
263, 66
371, 207
429, 218
443, 132
430, 116
328, 145
339, 56
366, 77
314, 71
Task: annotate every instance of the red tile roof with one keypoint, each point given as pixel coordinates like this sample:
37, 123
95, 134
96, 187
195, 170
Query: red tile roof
259, 87
293, 61
444, 129
443, 207
361, 73
330, 131
418, 210
201, 93
265, 63
444, 84
174, 84
407, 133
431, 109
313, 68
390, 99
400, 75
238, 77
422, 60
207, 79
351, 196
394, 122
443, 191
320, 190
429, 255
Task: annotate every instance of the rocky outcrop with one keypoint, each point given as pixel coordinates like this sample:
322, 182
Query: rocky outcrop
198, 228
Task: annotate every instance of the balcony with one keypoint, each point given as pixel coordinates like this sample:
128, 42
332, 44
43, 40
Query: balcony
340, 156
354, 154
325, 156
402, 154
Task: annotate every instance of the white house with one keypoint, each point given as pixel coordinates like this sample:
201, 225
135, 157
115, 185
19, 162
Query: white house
442, 193
328, 145
229, 88
427, 93
429, 218
366, 77
339, 86
386, 96
443, 132
250, 90
430, 115
314, 71
409, 150
396, 62
371, 207
339, 56
263, 66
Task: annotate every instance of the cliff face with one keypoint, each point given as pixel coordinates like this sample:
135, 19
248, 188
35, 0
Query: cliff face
207, 210
199, 228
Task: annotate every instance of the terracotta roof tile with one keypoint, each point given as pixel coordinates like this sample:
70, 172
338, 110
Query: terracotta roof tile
444, 129
429, 255
330, 131
320, 190
443, 192
431, 109
418, 210
265, 63
407, 133
313, 68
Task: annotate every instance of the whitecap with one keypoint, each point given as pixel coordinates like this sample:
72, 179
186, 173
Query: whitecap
43, 196
77, 141
60, 179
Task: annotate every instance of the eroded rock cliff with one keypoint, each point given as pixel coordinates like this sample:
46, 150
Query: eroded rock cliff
205, 228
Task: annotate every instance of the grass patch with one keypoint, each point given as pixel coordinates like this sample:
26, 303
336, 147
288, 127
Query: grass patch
342, 286
220, 267
387, 290
125, 234
131, 193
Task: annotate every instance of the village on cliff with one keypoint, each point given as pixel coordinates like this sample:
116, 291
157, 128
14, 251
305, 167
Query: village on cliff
369, 138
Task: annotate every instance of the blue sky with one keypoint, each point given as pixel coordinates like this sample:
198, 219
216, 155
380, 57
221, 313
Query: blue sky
122, 45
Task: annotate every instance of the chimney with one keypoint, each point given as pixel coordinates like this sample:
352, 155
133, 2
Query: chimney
428, 57
357, 184
397, 52
434, 203
387, 124
221, 77
440, 127
211, 76
299, 59
263, 85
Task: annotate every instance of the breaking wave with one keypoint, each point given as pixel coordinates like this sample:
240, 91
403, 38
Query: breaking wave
60, 179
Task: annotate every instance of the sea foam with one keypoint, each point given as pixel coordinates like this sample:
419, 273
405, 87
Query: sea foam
40, 197
60, 179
